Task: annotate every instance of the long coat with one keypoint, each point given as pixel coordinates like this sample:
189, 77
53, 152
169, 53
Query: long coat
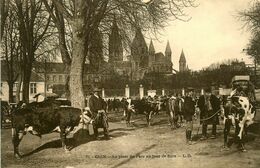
205, 113
96, 104
189, 108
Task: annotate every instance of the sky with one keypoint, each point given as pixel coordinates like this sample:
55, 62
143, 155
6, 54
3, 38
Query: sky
213, 34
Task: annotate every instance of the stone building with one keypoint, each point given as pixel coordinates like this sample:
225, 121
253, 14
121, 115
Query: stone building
142, 59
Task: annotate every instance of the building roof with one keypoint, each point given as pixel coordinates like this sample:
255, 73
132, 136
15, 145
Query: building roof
182, 57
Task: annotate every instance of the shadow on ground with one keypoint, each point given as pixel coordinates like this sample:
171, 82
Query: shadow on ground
79, 138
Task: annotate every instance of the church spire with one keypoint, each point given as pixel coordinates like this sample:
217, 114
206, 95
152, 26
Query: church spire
151, 53
168, 51
168, 48
182, 62
182, 57
151, 48
115, 44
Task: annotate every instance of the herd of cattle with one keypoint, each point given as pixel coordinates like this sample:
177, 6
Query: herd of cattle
39, 118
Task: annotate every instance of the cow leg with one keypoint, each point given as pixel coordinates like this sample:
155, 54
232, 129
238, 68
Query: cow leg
148, 118
241, 139
227, 126
128, 118
95, 129
63, 138
17, 136
151, 113
171, 120
175, 120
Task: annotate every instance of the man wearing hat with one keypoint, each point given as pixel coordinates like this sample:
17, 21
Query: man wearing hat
97, 106
209, 106
189, 111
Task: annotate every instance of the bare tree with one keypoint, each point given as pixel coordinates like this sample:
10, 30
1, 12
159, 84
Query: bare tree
63, 34
253, 48
251, 19
33, 23
4, 8
11, 52
251, 16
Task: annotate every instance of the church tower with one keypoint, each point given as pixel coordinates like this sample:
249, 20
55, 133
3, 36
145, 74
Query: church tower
168, 52
115, 44
182, 62
139, 50
151, 53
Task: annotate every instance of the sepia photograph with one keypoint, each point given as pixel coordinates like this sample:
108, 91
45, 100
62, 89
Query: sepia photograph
130, 83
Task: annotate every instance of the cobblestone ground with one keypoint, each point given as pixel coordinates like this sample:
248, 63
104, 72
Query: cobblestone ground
131, 147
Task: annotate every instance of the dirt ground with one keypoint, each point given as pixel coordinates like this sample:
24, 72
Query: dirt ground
131, 147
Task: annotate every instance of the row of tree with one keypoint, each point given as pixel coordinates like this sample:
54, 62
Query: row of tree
214, 75
32, 29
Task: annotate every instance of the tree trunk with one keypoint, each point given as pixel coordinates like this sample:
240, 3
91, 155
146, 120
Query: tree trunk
26, 83
76, 76
18, 90
64, 52
78, 60
10, 91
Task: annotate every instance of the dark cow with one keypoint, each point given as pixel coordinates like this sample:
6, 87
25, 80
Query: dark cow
40, 118
238, 112
147, 107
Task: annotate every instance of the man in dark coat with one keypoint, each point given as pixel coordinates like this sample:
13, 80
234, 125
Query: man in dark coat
188, 112
209, 106
97, 107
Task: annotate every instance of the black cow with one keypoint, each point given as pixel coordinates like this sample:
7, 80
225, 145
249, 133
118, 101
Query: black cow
39, 119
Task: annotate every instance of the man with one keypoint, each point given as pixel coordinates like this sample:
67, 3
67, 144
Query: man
189, 111
209, 106
97, 107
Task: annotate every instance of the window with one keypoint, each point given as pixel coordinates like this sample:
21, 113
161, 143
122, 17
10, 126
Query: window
54, 78
33, 88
